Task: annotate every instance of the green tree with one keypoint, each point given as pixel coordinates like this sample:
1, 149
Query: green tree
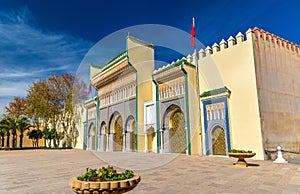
22, 125
2, 133
35, 135
38, 103
16, 108
49, 135
58, 137
10, 124
72, 92
53, 102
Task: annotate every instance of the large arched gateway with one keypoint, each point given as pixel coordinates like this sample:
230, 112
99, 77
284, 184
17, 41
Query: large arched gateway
115, 133
102, 137
130, 136
174, 134
91, 137
218, 141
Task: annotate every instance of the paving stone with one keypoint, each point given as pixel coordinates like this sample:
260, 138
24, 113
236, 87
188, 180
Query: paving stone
48, 171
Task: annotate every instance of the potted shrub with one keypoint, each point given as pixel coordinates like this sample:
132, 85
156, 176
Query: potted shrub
104, 180
241, 155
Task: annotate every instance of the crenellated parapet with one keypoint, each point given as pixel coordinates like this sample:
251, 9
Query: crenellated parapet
267, 37
240, 38
223, 45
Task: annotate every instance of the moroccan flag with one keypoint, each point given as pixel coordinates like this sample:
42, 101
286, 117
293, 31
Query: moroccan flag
89, 89
193, 33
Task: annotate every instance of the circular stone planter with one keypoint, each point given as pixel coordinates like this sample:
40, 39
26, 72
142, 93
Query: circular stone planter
241, 158
105, 187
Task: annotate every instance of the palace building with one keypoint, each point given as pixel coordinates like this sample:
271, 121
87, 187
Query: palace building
243, 93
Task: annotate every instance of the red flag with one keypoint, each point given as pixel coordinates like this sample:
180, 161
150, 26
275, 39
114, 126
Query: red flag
89, 89
193, 33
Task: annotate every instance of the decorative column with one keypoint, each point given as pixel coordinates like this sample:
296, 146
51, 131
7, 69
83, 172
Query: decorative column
124, 142
89, 142
111, 142
102, 142
107, 142
99, 142
130, 136
85, 129
167, 141
161, 141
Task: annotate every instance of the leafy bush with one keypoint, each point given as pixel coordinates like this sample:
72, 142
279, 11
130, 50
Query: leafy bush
240, 151
105, 174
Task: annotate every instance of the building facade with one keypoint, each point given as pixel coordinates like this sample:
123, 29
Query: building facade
243, 93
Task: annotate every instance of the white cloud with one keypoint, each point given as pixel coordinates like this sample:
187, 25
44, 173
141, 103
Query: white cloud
3, 102
28, 53
8, 88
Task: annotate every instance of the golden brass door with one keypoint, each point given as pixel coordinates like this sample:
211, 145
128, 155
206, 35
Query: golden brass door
118, 136
133, 145
178, 133
219, 142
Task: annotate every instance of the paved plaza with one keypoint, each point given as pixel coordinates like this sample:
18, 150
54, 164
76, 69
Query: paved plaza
48, 171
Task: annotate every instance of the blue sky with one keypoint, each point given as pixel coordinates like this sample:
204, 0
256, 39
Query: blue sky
42, 38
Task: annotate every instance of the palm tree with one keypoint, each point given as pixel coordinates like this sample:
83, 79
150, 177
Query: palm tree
11, 124
35, 135
22, 125
8, 124
31, 135
2, 134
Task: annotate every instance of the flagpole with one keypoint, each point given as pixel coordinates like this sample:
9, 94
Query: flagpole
197, 87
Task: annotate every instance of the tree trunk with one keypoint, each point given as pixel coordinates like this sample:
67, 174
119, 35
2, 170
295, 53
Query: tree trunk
55, 143
37, 142
2, 141
14, 140
7, 140
21, 140
49, 143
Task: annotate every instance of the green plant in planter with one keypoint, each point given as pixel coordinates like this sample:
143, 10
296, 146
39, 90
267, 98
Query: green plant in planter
105, 174
239, 151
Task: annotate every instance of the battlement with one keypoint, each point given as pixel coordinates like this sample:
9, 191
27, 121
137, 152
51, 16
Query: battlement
240, 37
223, 45
276, 40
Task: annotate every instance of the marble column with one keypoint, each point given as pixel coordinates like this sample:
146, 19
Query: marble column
99, 143
107, 141
129, 141
161, 141
111, 142
124, 149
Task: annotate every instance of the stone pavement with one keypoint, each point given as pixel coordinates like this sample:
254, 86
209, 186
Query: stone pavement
48, 171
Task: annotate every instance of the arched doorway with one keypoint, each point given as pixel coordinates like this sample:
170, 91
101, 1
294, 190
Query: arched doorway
115, 133
178, 132
218, 141
174, 134
150, 138
102, 137
130, 136
91, 137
